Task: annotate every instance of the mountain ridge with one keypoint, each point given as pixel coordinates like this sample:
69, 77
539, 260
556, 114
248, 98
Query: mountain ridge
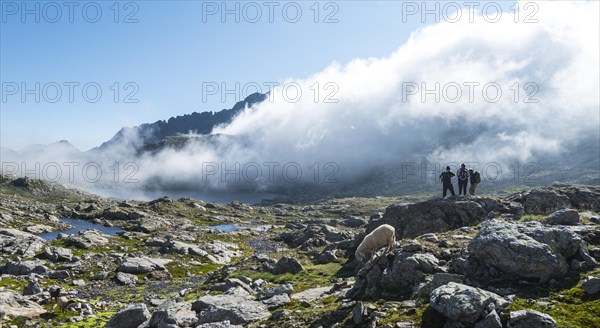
200, 123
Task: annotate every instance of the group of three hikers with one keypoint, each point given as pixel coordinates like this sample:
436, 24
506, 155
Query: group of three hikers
464, 176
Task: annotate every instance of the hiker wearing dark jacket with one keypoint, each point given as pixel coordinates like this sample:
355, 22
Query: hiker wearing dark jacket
446, 178
475, 180
463, 179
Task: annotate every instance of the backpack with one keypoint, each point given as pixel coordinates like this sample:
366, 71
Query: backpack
463, 174
476, 177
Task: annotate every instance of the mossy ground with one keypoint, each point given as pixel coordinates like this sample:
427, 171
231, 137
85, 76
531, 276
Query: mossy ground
570, 307
313, 275
567, 304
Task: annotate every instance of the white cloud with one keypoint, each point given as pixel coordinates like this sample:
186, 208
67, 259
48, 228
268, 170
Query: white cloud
559, 55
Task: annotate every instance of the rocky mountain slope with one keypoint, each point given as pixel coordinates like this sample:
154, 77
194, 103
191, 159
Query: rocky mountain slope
529, 259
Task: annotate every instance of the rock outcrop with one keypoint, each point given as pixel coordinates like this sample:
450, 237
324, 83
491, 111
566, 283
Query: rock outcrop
465, 304
551, 199
509, 250
130, 317
392, 276
16, 242
439, 215
86, 239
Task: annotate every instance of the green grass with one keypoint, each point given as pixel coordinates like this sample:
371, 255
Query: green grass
585, 217
99, 321
413, 315
325, 309
532, 217
313, 276
178, 270
11, 283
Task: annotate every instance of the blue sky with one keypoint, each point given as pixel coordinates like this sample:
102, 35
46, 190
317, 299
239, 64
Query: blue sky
168, 54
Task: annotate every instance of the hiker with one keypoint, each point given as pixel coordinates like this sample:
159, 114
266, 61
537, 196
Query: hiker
463, 179
475, 178
446, 178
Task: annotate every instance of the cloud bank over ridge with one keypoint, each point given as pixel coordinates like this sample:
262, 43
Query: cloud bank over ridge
466, 91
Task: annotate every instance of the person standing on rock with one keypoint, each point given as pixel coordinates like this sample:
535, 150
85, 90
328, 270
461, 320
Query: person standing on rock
475, 178
446, 178
463, 179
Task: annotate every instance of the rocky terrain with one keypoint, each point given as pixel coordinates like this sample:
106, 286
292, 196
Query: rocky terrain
528, 259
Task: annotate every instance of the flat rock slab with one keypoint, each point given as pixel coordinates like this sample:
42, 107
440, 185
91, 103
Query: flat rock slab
311, 294
237, 310
531, 318
137, 265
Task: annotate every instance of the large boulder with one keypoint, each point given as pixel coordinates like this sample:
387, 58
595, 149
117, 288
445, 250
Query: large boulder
86, 239
463, 303
126, 278
175, 313
312, 235
564, 217
137, 265
276, 301
591, 285
492, 320
561, 239
392, 276
235, 309
56, 254
286, 289
23, 268
287, 265
500, 245
14, 305
407, 270
179, 247
326, 256
130, 317
221, 252
439, 279
231, 283
438, 215
32, 288
16, 242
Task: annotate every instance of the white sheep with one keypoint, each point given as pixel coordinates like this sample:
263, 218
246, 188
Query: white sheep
383, 235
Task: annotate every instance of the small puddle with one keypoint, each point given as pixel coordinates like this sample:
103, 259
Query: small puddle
226, 227
80, 225
236, 226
